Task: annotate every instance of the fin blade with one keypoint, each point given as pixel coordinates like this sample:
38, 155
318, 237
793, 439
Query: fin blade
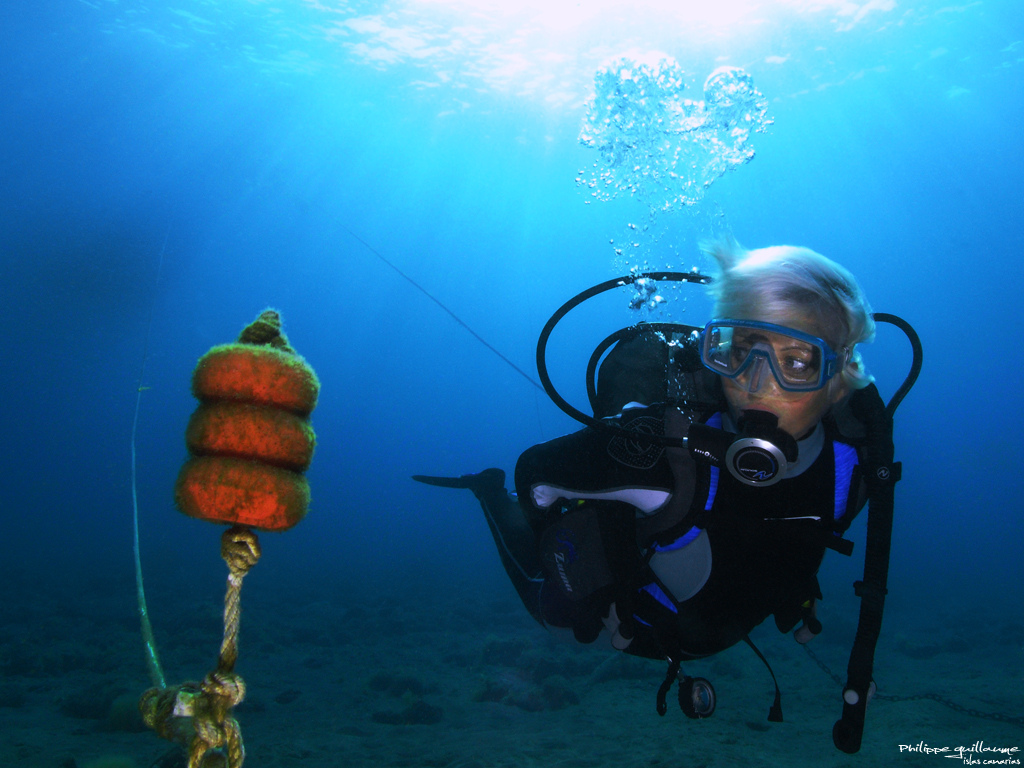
478, 483
443, 482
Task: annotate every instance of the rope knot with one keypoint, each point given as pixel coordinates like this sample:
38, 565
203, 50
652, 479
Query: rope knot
211, 717
240, 549
227, 687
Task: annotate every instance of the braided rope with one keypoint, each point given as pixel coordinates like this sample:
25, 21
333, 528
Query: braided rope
199, 715
241, 551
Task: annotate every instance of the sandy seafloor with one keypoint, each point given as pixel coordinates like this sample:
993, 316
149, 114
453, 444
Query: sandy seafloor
340, 675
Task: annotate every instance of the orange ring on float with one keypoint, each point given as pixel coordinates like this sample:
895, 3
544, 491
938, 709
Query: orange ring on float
223, 489
256, 375
251, 432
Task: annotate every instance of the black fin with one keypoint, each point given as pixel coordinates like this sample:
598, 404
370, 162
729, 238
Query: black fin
480, 483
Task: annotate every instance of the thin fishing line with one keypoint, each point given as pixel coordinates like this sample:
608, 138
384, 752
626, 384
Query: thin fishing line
437, 301
156, 673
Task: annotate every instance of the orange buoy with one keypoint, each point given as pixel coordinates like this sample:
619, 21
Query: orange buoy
223, 489
257, 375
250, 438
251, 432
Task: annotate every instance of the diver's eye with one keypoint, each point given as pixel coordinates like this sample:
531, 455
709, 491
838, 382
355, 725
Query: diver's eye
795, 364
799, 366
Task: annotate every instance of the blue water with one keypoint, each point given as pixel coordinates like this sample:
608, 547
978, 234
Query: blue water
169, 170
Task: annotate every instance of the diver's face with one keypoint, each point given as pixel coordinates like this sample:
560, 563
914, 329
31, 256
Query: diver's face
798, 412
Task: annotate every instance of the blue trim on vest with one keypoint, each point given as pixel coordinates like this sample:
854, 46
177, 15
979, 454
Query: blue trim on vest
681, 542
846, 460
658, 594
716, 422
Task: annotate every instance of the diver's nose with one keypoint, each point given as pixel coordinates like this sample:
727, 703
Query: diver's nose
756, 373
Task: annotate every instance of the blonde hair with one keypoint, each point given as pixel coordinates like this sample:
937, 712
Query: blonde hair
783, 282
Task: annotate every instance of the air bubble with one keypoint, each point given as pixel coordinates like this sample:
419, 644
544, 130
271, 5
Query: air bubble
662, 147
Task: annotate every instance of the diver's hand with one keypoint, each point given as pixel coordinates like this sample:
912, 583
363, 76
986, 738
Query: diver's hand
622, 635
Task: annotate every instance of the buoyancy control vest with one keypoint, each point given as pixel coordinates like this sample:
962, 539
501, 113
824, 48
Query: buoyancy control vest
761, 556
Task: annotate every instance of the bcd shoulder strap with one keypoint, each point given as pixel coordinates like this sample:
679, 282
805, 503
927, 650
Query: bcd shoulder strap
880, 474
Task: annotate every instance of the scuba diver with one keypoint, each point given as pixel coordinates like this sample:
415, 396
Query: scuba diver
719, 465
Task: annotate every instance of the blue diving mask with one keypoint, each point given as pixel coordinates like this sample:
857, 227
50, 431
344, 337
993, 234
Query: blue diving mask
746, 350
